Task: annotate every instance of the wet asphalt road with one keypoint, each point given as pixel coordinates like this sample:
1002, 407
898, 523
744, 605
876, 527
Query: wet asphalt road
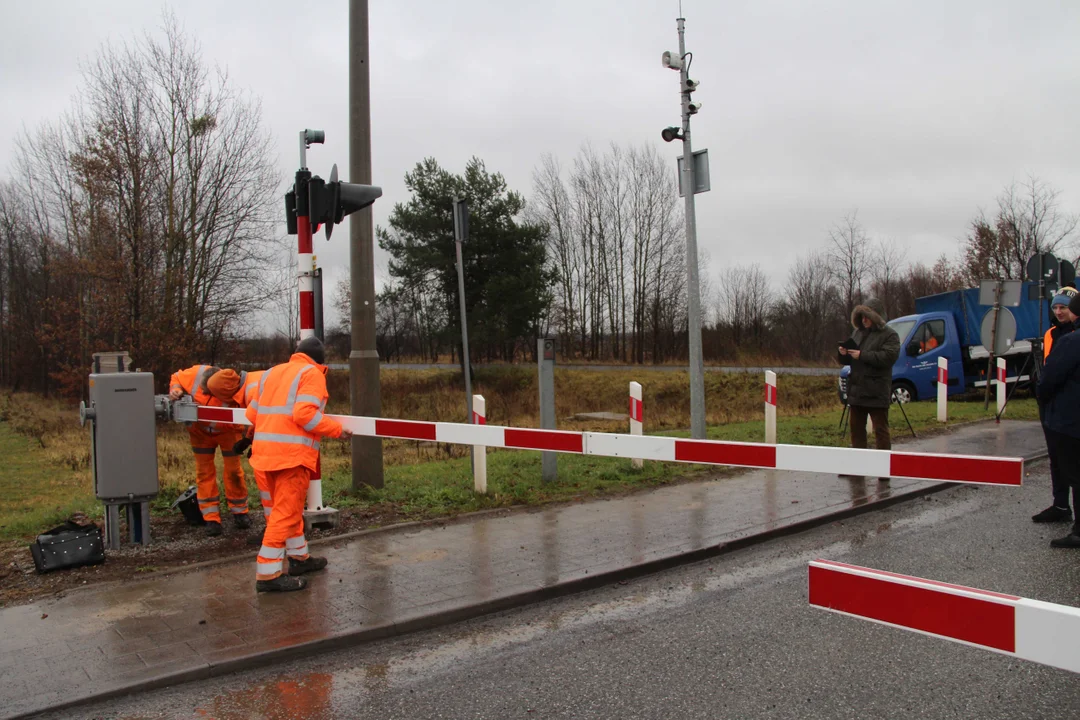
731, 638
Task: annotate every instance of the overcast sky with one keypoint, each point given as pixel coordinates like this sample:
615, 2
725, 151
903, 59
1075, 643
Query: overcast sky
915, 113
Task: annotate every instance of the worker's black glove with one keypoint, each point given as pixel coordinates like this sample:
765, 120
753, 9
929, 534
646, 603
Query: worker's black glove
243, 444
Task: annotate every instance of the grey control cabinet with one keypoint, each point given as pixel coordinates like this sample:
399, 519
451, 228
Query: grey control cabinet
123, 436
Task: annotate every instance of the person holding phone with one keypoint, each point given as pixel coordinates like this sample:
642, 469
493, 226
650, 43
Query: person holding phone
870, 351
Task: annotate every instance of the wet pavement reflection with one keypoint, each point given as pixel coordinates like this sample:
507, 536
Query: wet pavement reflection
209, 621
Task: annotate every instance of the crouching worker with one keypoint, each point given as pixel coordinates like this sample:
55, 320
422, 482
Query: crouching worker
288, 419
211, 386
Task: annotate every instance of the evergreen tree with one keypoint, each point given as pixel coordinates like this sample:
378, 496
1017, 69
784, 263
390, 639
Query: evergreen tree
508, 281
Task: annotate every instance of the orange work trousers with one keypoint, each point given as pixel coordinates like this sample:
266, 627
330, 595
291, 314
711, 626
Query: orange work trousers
205, 446
284, 535
265, 497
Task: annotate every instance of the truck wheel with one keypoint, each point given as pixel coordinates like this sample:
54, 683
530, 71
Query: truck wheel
903, 392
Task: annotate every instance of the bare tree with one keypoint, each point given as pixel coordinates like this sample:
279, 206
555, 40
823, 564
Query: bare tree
887, 260
613, 231
810, 319
149, 212
1029, 220
848, 253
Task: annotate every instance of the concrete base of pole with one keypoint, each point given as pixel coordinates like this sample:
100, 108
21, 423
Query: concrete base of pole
325, 519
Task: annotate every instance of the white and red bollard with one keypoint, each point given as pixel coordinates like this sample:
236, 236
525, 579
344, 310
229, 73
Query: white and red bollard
479, 452
637, 417
1032, 630
770, 407
1001, 385
942, 389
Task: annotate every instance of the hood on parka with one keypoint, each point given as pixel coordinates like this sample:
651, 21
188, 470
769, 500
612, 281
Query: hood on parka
873, 309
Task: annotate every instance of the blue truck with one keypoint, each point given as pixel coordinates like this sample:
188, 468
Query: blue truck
948, 325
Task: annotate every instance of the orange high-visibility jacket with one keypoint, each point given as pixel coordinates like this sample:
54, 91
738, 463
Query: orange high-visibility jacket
288, 416
191, 381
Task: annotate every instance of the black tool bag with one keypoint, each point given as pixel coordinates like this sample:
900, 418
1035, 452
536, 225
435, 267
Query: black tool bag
69, 545
188, 505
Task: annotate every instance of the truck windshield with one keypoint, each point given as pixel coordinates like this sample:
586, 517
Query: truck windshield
902, 328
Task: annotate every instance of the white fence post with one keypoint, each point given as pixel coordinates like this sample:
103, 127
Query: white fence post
770, 407
942, 389
479, 452
637, 417
1000, 385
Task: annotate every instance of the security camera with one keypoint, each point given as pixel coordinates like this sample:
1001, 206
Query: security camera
671, 60
692, 85
692, 108
670, 133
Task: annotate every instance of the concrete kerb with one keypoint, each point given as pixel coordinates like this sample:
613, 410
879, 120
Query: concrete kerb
353, 638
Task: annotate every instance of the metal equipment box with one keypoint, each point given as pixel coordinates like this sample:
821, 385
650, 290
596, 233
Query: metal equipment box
124, 436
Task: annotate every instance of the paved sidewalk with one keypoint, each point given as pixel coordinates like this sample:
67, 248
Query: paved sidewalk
116, 638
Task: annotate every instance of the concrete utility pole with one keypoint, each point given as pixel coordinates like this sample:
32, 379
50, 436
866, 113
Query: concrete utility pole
364, 391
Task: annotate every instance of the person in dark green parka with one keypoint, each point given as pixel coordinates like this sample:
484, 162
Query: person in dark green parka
869, 391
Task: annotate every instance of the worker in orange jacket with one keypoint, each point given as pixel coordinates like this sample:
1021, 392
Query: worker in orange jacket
243, 398
206, 438
288, 424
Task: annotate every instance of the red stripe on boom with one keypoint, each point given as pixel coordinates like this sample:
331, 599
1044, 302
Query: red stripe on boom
957, 469
982, 622
411, 429
559, 441
209, 414
725, 453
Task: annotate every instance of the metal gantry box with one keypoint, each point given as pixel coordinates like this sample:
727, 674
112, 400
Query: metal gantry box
123, 436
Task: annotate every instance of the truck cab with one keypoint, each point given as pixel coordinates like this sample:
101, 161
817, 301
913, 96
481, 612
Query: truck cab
923, 339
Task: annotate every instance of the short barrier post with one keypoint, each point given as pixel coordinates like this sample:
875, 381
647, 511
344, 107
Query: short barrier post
942, 389
1000, 386
770, 407
479, 452
637, 416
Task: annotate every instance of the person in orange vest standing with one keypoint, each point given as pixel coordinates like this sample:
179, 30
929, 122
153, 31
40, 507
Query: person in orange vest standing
206, 438
288, 420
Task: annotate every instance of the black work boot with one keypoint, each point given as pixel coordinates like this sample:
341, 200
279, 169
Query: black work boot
1052, 514
213, 528
241, 521
299, 567
282, 583
256, 539
1072, 540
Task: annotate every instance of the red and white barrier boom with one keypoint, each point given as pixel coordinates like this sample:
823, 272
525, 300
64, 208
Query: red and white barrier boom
806, 458
1032, 630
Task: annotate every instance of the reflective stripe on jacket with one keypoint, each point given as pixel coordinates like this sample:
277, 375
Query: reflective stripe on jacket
288, 415
249, 389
